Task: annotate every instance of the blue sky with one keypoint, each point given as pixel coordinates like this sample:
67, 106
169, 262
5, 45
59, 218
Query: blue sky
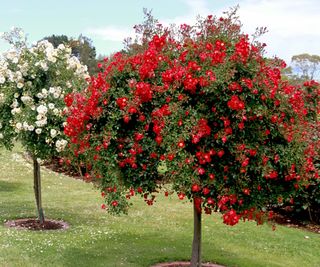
293, 24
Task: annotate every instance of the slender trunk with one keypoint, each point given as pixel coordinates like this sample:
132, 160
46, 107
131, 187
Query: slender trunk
196, 245
310, 214
37, 188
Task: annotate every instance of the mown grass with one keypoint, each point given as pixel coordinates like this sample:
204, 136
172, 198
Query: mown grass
162, 232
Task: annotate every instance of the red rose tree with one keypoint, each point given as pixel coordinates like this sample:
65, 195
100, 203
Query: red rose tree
199, 109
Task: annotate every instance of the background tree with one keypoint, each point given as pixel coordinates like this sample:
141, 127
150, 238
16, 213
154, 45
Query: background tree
33, 84
307, 65
197, 111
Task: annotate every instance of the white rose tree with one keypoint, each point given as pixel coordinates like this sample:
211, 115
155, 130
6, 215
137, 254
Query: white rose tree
33, 84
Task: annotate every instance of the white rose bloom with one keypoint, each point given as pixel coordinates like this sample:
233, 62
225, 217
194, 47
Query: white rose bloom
41, 123
39, 117
20, 85
39, 95
56, 95
26, 99
15, 111
18, 75
38, 131
25, 125
42, 109
10, 76
19, 126
69, 85
1, 98
14, 104
51, 106
10, 54
16, 95
44, 92
1, 136
52, 90
61, 47
56, 111
30, 128
44, 65
53, 133
61, 144
2, 79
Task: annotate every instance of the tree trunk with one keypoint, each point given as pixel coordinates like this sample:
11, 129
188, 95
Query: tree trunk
37, 188
196, 245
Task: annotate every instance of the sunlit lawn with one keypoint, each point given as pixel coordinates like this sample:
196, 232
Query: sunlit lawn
162, 232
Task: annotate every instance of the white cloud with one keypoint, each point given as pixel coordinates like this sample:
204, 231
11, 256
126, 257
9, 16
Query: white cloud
111, 33
118, 34
195, 8
292, 25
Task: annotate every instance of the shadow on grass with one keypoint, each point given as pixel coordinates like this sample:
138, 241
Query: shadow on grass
9, 186
130, 250
122, 246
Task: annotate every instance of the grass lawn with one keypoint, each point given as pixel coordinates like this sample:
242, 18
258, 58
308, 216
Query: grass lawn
162, 232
